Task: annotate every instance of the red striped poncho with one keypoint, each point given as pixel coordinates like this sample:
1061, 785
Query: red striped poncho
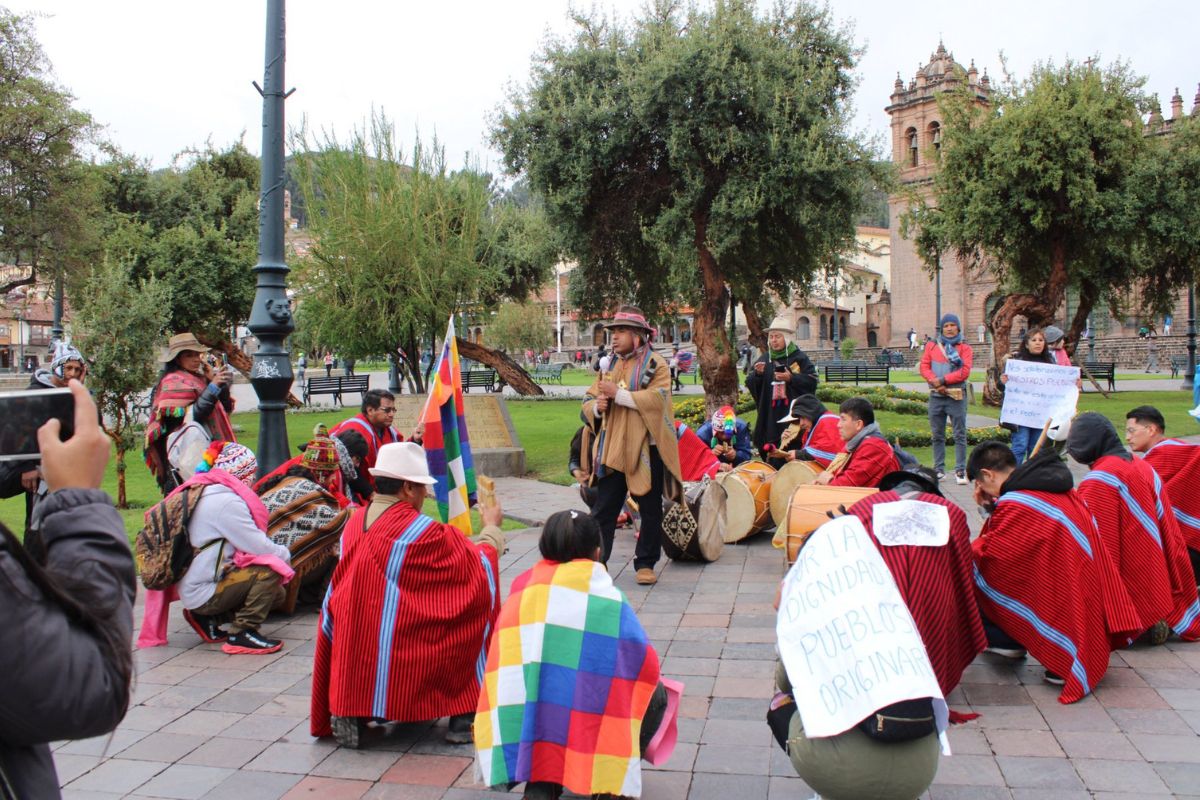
870, 461
175, 393
1178, 464
937, 586
404, 630
1039, 567
375, 440
696, 459
824, 441
1139, 530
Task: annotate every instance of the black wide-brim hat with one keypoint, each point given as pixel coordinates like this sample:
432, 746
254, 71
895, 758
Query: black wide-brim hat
919, 475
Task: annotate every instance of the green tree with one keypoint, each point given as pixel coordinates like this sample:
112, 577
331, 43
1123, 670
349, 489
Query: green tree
1038, 188
520, 326
402, 243
46, 199
691, 153
118, 327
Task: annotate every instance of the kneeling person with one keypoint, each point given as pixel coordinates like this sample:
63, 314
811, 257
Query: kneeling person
406, 620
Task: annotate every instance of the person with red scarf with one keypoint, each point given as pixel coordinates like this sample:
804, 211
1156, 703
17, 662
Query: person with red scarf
187, 384
866, 456
936, 582
404, 629
1045, 582
812, 433
1178, 464
1137, 523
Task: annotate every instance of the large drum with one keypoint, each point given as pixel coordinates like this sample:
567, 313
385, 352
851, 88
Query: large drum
807, 511
790, 476
747, 499
694, 529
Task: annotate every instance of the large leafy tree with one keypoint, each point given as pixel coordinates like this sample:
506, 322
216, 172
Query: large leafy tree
401, 243
1039, 187
46, 199
520, 326
691, 153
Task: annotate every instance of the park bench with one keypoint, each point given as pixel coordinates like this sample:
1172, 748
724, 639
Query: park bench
479, 379
336, 386
551, 373
859, 373
1101, 370
1178, 363
889, 359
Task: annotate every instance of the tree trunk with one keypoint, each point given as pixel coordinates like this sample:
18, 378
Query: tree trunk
508, 369
1087, 301
713, 350
122, 500
758, 337
1031, 307
240, 361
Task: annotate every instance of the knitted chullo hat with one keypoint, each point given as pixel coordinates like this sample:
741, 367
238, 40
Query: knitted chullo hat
723, 422
236, 459
321, 454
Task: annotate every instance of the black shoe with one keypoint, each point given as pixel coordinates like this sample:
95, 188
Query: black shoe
250, 642
348, 731
459, 731
207, 628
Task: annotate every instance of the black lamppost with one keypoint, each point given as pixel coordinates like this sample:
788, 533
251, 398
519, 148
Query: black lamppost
271, 316
937, 273
56, 330
836, 324
1190, 376
1091, 340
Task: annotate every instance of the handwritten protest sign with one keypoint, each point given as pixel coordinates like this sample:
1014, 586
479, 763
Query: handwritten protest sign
1036, 392
911, 522
846, 638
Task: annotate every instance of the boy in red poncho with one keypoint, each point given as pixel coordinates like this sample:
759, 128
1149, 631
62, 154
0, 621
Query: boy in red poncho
1178, 464
866, 456
1040, 566
404, 629
936, 582
1137, 525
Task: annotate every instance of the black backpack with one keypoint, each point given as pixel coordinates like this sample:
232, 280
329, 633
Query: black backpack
901, 722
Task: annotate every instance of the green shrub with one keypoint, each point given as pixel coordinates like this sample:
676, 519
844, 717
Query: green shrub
924, 438
693, 412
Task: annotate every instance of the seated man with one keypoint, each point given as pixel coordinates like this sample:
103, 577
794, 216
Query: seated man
374, 423
727, 436
582, 723
1138, 527
350, 484
936, 582
866, 456
229, 523
405, 624
306, 517
1040, 566
812, 434
1178, 464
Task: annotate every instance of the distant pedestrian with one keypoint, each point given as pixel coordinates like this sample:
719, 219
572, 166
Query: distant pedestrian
348, 363
981, 331
301, 368
912, 338
328, 364
1152, 351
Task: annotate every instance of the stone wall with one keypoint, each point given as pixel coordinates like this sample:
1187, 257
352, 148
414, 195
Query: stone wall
1131, 353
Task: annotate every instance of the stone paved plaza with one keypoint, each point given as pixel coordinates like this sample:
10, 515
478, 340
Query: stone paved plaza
205, 724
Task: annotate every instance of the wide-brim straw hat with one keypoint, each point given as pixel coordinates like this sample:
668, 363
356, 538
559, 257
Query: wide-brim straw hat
402, 461
629, 317
181, 342
782, 325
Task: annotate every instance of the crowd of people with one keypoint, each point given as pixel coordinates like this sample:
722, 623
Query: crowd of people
558, 686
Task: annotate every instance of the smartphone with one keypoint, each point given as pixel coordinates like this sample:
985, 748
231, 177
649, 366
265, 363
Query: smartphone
23, 412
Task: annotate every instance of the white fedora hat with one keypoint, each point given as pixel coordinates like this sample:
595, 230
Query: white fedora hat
403, 461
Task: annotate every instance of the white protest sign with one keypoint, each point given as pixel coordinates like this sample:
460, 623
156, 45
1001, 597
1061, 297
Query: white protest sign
847, 640
910, 522
1035, 392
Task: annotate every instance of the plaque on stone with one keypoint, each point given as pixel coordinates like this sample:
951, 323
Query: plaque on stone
494, 444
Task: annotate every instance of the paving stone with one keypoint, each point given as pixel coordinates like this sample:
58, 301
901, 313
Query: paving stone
723, 787
167, 674
732, 759
1182, 699
368, 765
1129, 697
682, 760
758, 652
182, 696
79, 794
988, 694
1119, 776
120, 775
1089, 744
261, 727
1051, 794
289, 757
1180, 778
184, 782
690, 666
221, 751
246, 783
328, 789
968, 740
108, 745
1069, 718
666, 785
751, 635
1024, 718
695, 649
1165, 747
967, 770
147, 718
738, 708
952, 792
405, 791
1149, 720
238, 701
169, 747
203, 723
427, 770
746, 732
1007, 742
69, 766
1038, 773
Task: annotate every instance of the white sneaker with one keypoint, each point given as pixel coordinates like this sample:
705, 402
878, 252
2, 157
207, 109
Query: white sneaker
960, 478
1195, 412
1006, 652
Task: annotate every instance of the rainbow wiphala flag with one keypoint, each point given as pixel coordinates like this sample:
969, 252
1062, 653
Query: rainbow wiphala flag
447, 445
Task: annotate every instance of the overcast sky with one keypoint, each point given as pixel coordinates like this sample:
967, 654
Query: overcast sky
163, 75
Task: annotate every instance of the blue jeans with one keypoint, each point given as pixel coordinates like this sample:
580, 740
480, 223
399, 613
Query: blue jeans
1023, 440
941, 407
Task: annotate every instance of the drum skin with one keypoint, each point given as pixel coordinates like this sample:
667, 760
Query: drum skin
747, 499
808, 509
790, 476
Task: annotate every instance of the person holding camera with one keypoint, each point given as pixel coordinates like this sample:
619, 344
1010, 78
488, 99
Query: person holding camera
67, 611
778, 377
187, 385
